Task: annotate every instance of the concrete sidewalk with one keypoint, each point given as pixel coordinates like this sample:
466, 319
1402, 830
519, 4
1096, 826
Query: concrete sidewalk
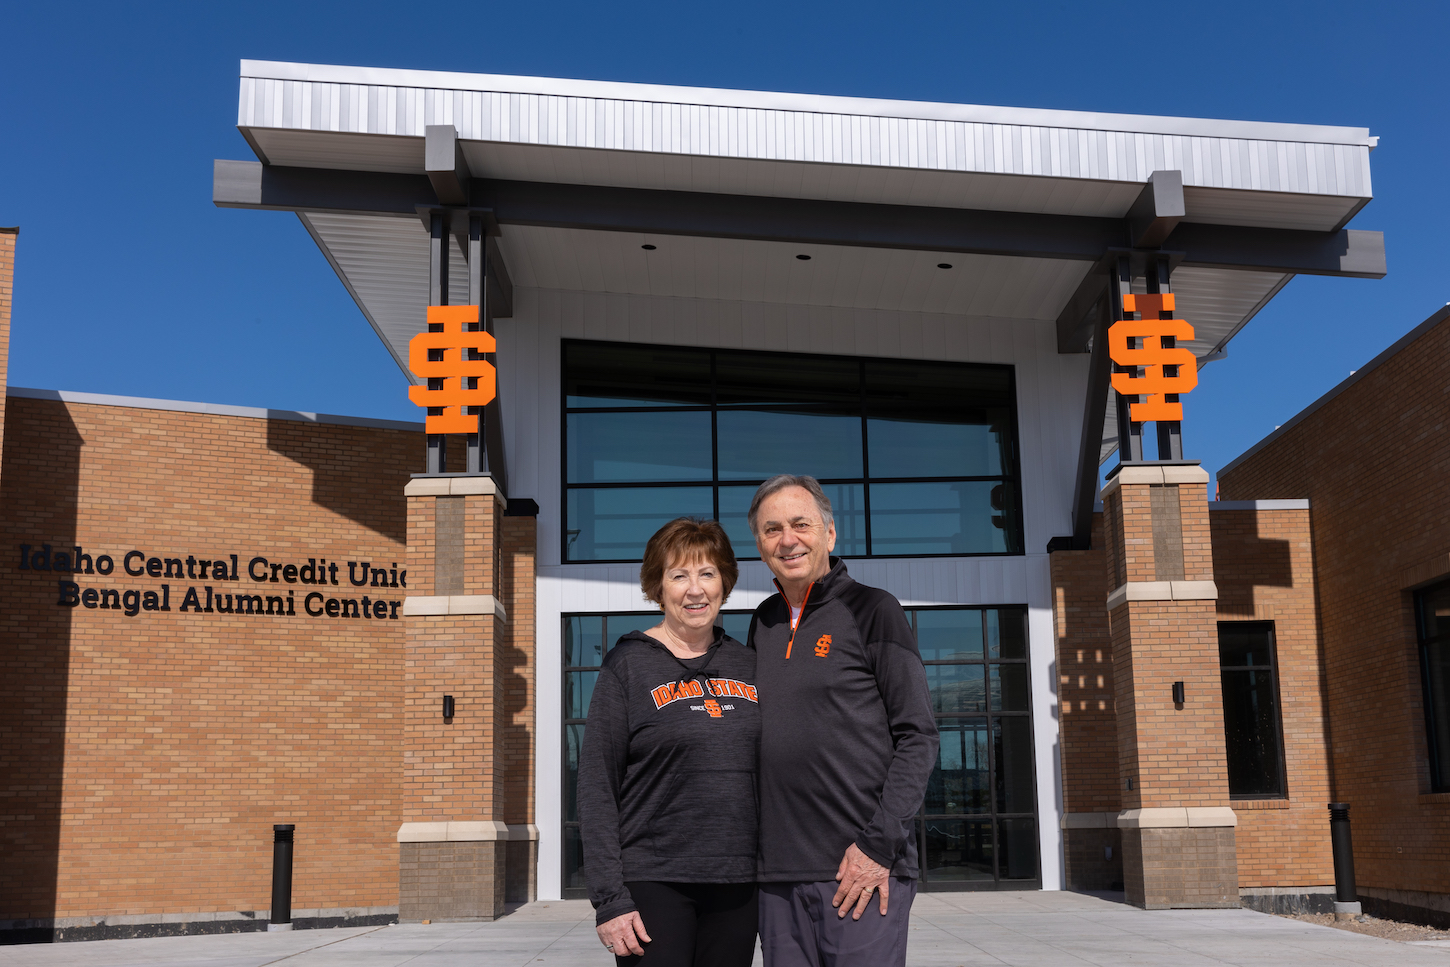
947, 930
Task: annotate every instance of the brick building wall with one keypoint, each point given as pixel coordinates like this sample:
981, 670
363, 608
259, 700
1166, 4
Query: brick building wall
145, 757
1374, 462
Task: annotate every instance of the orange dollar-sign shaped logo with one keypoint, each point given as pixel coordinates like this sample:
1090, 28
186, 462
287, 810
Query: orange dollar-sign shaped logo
1153, 357
454, 368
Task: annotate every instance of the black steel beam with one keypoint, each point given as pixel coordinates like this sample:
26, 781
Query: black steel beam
447, 168
1157, 211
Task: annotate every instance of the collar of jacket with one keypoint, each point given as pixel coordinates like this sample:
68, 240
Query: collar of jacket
826, 586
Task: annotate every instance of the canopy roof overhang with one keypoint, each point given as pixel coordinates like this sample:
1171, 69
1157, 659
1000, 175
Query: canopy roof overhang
573, 177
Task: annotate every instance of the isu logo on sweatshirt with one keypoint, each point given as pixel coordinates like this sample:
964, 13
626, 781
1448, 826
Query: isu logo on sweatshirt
823, 646
720, 687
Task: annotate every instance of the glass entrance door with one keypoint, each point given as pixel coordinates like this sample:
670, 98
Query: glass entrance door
978, 826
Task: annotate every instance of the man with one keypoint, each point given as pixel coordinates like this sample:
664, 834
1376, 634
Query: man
848, 742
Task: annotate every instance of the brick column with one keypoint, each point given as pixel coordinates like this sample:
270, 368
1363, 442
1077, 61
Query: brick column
454, 840
1176, 825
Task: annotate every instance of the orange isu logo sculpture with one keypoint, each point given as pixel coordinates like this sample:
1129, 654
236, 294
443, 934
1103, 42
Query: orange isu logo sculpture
1156, 359
440, 358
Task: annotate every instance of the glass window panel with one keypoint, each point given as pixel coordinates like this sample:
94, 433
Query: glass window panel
1435, 611
822, 383
938, 518
578, 689
954, 634
1009, 688
574, 861
584, 640
938, 420
1437, 685
622, 624
1012, 736
737, 625
757, 444
957, 849
956, 688
848, 507
615, 524
1017, 843
1251, 734
644, 447
625, 375
573, 742
1243, 643
1006, 633
960, 782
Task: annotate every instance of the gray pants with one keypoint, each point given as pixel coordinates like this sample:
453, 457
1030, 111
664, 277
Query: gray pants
800, 928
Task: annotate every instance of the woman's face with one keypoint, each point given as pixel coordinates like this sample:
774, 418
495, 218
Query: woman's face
691, 594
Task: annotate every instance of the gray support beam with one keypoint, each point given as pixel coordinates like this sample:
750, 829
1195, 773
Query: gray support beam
1157, 211
1170, 432
1130, 434
1095, 408
240, 184
447, 168
437, 443
477, 274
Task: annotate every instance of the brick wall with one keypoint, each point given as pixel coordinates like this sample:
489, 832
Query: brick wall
144, 758
1375, 465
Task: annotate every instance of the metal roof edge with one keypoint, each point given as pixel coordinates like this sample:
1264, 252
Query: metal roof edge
815, 103
1439, 316
210, 409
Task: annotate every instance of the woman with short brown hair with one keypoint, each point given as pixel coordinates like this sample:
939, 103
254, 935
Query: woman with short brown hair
667, 800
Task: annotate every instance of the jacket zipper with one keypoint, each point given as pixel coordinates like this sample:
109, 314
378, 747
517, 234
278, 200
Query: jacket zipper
798, 621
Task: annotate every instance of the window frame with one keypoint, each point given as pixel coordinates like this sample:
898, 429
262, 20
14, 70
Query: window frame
1273, 668
1438, 783
1011, 469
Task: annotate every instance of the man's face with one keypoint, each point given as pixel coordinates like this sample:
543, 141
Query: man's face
793, 540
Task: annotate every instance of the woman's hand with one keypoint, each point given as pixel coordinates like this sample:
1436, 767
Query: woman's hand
623, 935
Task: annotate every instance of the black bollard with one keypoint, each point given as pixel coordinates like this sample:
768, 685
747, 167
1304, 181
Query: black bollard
1346, 895
281, 877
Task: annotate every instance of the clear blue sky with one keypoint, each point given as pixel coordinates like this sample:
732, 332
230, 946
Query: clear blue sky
130, 282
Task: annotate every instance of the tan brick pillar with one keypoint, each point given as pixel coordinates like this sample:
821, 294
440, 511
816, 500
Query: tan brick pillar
454, 837
1177, 827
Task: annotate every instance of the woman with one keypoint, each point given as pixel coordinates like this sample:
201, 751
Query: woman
667, 800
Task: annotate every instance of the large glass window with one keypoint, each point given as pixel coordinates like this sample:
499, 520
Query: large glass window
1433, 605
918, 458
1253, 739
978, 825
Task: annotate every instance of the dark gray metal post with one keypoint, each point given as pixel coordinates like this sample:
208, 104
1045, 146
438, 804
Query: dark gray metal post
437, 461
1130, 434
281, 918
1170, 432
1346, 894
477, 296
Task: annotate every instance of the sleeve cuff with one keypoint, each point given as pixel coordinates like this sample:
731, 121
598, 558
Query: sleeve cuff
617, 907
874, 853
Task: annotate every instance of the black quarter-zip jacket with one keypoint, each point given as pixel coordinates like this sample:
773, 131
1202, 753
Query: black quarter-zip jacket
848, 738
667, 773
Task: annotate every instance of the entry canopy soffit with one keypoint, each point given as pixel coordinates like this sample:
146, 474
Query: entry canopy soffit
580, 174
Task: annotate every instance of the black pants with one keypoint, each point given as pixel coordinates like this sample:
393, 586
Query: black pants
696, 924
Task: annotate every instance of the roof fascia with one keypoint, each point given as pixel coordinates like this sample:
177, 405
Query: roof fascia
817, 103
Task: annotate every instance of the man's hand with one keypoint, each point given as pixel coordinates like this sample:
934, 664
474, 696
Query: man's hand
859, 875
623, 935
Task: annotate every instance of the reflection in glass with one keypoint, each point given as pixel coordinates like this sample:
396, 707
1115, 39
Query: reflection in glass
847, 506
956, 688
642, 447
952, 634
923, 448
936, 518
1244, 643
1434, 612
631, 375
958, 849
825, 382
578, 689
1017, 842
614, 524
1009, 688
1012, 738
1251, 734
1006, 633
574, 860
622, 624
1437, 685
573, 742
959, 784
584, 640
755, 445
736, 625
938, 420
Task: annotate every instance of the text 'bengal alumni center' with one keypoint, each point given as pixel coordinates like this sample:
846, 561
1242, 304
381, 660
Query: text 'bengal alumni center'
615, 304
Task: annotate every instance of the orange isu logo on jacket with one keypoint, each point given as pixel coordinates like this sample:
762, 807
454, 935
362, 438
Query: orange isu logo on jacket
721, 687
713, 707
823, 646
441, 357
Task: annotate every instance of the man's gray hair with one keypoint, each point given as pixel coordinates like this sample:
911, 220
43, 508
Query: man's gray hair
780, 482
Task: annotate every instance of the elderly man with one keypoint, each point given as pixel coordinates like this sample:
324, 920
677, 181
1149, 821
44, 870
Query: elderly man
848, 742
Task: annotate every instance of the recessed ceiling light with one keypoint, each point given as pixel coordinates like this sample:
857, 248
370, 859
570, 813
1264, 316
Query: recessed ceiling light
804, 258
944, 265
648, 248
